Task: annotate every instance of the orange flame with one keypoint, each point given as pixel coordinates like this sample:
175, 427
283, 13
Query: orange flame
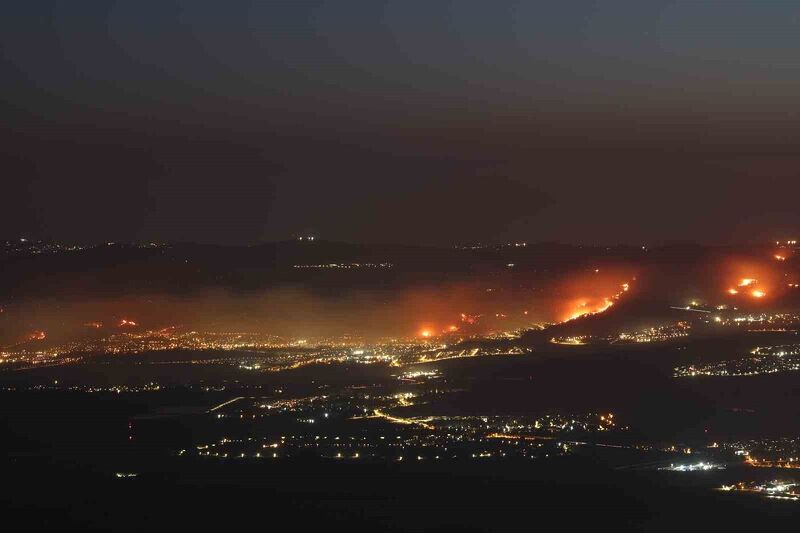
37, 336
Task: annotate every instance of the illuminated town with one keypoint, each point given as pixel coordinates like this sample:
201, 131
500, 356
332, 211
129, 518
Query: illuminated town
775, 489
763, 360
514, 370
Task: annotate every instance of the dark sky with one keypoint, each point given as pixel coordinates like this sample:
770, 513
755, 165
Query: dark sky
405, 121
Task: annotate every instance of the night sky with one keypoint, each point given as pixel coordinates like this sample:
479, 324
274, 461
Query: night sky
427, 122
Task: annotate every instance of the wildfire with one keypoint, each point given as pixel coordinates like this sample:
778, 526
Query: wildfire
37, 336
755, 288
426, 334
755, 293
755, 280
469, 319
782, 253
585, 307
95, 325
126, 323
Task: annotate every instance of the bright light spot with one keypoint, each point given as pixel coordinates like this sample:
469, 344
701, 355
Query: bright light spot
758, 293
746, 282
733, 291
